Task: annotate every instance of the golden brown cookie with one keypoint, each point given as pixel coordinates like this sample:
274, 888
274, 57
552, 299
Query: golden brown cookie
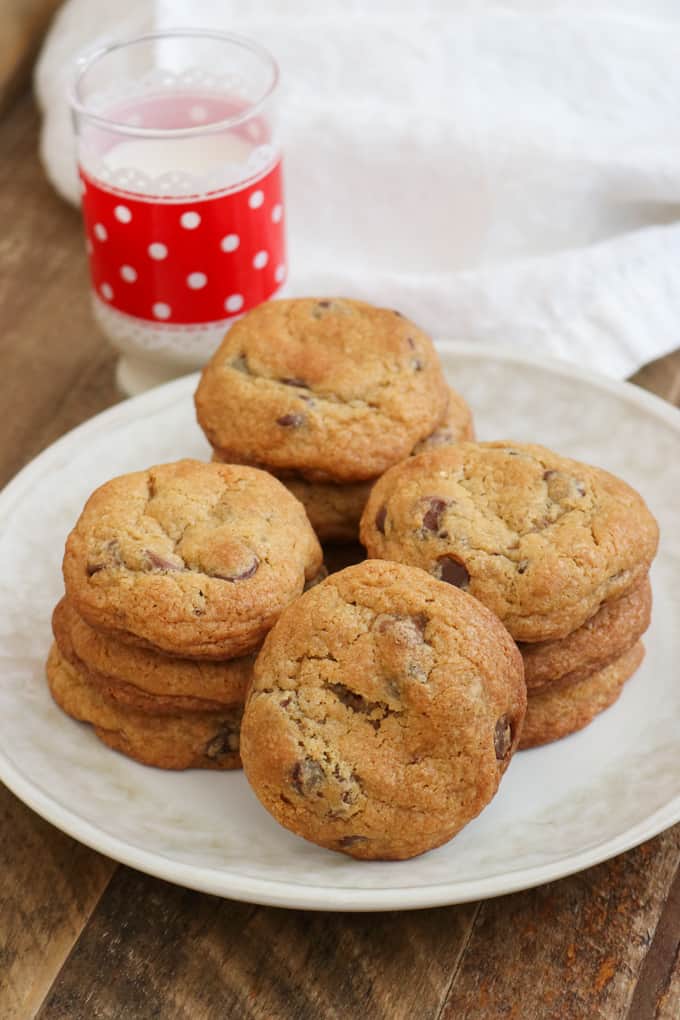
615, 628
196, 560
383, 712
335, 510
202, 740
331, 389
542, 540
144, 680
554, 713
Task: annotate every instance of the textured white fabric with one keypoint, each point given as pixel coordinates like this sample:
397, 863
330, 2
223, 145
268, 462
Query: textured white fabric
508, 172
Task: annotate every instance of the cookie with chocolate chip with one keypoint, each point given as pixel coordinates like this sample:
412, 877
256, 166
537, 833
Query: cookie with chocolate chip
553, 713
384, 709
542, 540
195, 560
182, 740
145, 680
329, 389
613, 630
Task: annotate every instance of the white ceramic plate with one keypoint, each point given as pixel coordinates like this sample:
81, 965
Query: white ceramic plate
560, 808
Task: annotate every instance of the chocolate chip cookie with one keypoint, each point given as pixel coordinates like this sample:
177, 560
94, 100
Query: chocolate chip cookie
542, 540
184, 740
144, 680
384, 709
613, 630
330, 389
553, 713
195, 560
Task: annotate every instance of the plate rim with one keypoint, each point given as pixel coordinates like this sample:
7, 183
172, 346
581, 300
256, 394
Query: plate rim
284, 893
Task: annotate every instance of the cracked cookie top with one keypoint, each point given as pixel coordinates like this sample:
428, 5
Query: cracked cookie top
542, 540
195, 560
331, 389
384, 708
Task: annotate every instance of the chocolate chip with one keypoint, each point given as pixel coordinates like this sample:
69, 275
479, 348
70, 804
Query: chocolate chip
160, 562
452, 571
243, 575
291, 421
324, 304
226, 741
380, 519
580, 488
417, 365
111, 558
411, 342
522, 566
240, 364
502, 737
306, 775
547, 475
295, 382
353, 840
395, 312
410, 628
433, 515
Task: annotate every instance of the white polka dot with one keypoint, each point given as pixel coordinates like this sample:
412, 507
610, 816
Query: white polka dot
190, 220
198, 113
260, 260
161, 310
277, 212
280, 273
89, 246
234, 303
256, 199
128, 273
100, 232
107, 291
157, 251
122, 214
196, 280
230, 242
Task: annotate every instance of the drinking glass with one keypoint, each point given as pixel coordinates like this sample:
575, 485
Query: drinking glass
180, 170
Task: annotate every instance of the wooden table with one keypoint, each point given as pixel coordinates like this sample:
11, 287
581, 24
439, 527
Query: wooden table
83, 937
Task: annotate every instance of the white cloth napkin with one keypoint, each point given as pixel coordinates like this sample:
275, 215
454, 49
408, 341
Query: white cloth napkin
505, 173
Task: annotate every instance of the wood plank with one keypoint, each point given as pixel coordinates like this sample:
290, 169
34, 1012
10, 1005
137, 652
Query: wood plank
180, 954
45, 324
49, 886
571, 949
56, 371
657, 993
24, 23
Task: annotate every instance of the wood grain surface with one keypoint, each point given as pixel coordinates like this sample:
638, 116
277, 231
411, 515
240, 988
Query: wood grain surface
82, 937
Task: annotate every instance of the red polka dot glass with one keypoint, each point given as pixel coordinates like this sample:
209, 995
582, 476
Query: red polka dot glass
180, 172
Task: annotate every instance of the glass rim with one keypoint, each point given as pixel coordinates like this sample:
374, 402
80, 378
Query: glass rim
87, 61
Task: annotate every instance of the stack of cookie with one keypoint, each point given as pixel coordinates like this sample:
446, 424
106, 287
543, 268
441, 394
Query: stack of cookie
173, 577
327, 394
558, 550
